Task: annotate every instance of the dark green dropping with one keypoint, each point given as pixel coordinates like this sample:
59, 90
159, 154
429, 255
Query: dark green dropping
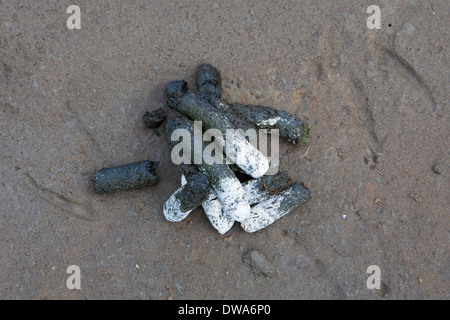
295, 194
195, 179
290, 127
194, 192
274, 184
214, 172
274, 207
209, 84
237, 120
129, 176
209, 80
196, 107
152, 119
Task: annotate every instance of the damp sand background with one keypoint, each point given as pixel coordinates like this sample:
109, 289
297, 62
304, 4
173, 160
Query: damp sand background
72, 101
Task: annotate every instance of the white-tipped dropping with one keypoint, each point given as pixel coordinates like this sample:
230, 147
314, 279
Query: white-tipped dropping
245, 155
266, 212
263, 214
172, 208
220, 221
232, 196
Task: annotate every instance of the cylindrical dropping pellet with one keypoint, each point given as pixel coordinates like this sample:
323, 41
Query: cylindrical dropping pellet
274, 207
290, 127
259, 189
224, 182
219, 220
232, 197
209, 80
236, 119
193, 192
193, 106
191, 195
129, 176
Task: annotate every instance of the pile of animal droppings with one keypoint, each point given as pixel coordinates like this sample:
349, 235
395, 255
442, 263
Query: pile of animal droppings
256, 199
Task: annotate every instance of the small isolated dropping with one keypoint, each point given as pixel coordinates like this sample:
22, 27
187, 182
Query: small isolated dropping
152, 119
129, 176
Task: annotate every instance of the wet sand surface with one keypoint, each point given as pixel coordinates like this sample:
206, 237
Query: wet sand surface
377, 164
